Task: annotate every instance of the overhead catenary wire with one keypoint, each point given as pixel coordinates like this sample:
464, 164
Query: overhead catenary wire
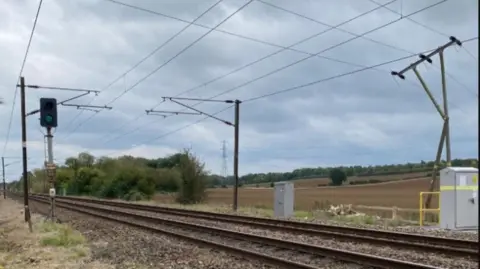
229, 33
337, 76
252, 99
286, 90
306, 58
176, 130
431, 29
303, 59
178, 54
291, 47
166, 42
283, 48
379, 6
325, 50
20, 74
307, 148
465, 87
470, 54
385, 6
413, 21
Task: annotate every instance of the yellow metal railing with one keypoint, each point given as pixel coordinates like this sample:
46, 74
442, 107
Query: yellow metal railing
422, 210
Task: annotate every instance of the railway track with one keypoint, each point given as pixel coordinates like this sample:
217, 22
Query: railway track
247, 245
438, 245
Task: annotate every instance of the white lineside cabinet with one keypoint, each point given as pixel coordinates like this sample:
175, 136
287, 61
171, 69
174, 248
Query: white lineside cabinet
283, 199
459, 198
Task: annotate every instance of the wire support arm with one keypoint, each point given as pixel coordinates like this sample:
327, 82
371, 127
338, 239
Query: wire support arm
60, 88
73, 98
160, 112
202, 113
79, 106
64, 102
89, 109
199, 99
428, 57
32, 112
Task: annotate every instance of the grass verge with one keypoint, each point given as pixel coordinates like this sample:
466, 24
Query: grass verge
51, 245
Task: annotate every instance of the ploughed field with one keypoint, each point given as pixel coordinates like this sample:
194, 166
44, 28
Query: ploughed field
322, 182
399, 193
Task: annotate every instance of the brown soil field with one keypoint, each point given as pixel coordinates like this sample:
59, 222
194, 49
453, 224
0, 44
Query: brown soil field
401, 193
316, 182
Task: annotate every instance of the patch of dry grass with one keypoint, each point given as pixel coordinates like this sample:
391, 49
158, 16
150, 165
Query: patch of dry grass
59, 235
55, 246
370, 217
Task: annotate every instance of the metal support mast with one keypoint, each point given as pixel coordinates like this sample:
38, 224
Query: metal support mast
224, 172
24, 152
235, 155
445, 135
51, 169
3, 176
236, 126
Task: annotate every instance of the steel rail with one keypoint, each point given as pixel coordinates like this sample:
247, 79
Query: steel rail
404, 240
342, 255
208, 243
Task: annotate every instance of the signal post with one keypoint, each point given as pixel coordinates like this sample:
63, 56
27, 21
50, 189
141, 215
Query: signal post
49, 120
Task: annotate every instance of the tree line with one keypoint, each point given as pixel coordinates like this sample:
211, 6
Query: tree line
357, 170
184, 175
126, 177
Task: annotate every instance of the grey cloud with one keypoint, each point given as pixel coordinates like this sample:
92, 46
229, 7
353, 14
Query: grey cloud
89, 43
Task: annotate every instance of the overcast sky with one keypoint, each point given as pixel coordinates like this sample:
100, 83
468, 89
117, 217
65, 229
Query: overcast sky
364, 118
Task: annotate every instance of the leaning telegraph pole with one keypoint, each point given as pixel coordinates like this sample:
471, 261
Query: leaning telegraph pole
445, 135
236, 126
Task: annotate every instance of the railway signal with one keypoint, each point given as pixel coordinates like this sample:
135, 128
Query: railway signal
48, 112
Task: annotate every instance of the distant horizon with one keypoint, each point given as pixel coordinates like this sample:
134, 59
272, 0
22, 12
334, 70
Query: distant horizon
230, 175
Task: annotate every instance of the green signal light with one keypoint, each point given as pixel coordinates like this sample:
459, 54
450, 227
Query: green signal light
48, 118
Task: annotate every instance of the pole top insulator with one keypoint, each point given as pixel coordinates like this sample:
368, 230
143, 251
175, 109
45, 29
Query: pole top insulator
454, 39
425, 58
395, 73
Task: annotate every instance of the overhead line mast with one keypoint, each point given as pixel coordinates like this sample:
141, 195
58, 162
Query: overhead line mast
445, 134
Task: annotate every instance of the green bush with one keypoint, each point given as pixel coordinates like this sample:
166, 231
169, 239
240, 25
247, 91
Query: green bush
337, 177
193, 179
167, 180
134, 195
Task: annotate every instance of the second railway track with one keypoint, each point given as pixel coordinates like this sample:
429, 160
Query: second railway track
439, 245
288, 254
306, 255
